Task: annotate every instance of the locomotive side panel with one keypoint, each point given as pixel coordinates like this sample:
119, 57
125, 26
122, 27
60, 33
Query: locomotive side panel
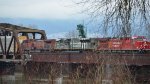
115, 44
27, 44
142, 45
50, 43
103, 44
127, 44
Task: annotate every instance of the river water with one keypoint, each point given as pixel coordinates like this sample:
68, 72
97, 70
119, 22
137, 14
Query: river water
18, 78
17, 74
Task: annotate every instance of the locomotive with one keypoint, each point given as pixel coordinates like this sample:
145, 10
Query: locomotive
136, 43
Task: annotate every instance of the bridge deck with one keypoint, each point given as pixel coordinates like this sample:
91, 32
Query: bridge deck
92, 57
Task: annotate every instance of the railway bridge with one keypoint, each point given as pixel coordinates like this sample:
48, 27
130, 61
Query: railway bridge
11, 37
11, 50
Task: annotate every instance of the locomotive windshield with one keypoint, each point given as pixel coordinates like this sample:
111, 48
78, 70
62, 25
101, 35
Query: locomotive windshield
32, 35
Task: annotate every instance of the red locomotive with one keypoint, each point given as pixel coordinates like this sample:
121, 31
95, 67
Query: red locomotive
126, 43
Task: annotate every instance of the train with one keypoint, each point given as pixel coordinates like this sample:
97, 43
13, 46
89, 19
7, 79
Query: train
136, 43
27, 39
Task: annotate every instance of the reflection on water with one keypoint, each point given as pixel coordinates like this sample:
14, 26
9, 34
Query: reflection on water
50, 73
18, 78
7, 79
59, 80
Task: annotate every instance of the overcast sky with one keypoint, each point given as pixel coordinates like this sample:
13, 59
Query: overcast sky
54, 16
39, 9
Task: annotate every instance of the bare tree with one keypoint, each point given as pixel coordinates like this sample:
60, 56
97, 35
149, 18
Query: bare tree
72, 34
121, 17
